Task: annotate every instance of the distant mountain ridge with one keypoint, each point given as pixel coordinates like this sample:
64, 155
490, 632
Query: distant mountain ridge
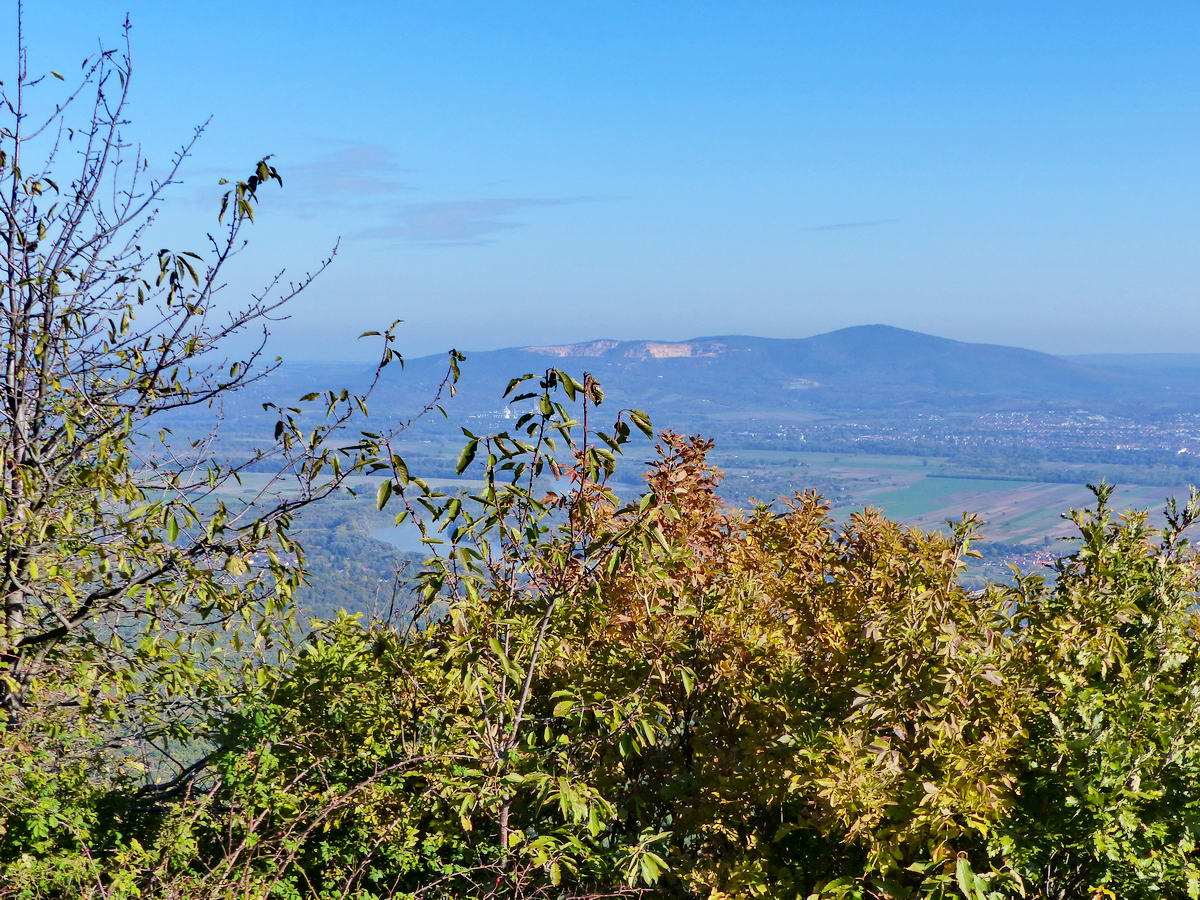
868, 367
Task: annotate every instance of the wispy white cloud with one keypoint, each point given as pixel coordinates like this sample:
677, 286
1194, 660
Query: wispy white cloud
459, 222
361, 185
352, 171
840, 226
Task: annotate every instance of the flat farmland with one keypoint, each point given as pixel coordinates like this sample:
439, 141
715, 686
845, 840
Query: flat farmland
1028, 512
921, 491
913, 490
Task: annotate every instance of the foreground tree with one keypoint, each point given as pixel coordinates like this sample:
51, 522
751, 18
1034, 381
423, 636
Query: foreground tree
135, 590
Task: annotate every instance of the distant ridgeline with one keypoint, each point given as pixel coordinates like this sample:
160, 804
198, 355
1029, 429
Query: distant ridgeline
871, 388
863, 369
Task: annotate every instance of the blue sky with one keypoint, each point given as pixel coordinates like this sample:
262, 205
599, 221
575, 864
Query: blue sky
536, 172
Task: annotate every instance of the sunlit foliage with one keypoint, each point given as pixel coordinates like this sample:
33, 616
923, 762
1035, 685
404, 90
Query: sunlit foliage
591, 694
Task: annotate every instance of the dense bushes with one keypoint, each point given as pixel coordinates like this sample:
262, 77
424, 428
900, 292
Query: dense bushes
592, 696
673, 698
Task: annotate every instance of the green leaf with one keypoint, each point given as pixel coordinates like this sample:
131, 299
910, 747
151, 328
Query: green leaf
965, 878
642, 422
467, 456
400, 468
383, 493
563, 708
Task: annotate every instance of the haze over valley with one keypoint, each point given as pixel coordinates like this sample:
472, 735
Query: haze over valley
919, 426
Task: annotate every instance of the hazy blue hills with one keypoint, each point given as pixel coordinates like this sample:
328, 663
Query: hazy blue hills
1163, 375
865, 367
868, 368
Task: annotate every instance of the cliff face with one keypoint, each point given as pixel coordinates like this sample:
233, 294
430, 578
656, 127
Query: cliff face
631, 349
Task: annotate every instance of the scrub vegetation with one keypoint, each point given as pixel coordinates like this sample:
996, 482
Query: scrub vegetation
578, 692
